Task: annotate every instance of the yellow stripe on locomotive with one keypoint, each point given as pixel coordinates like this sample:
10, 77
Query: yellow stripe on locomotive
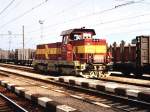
91, 49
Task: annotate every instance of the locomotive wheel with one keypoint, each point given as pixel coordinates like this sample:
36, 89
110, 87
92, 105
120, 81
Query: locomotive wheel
126, 73
92, 74
60, 71
96, 74
103, 74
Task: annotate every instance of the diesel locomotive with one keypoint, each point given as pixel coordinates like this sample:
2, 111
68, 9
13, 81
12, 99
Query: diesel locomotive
78, 54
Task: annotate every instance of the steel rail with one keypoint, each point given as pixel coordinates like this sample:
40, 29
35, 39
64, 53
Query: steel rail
15, 105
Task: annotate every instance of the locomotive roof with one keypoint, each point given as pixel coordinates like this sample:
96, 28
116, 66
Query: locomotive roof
72, 31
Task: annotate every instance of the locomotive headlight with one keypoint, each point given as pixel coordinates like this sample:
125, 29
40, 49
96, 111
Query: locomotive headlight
88, 44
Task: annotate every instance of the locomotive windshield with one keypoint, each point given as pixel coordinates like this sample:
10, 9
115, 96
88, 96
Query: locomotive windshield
87, 35
77, 36
81, 36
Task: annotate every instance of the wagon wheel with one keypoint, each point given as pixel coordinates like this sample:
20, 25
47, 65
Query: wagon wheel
138, 73
126, 73
85, 75
97, 74
100, 74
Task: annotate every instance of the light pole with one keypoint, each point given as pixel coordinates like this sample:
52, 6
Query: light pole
9, 54
9, 33
23, 40
41, 25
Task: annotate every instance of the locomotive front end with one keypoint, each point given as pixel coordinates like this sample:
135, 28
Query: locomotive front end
96, 58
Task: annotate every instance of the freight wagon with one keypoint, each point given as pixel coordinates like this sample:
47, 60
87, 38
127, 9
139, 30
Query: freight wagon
4, 55
17, 56
132, 58
24, 57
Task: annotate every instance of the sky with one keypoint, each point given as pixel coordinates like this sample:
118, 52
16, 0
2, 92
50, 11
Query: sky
113, 20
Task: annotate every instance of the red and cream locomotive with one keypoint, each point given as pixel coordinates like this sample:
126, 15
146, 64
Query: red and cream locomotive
78, 54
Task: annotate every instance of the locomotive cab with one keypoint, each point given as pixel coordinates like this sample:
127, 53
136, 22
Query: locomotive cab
72, 36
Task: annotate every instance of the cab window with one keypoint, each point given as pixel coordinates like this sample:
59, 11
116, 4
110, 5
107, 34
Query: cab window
87, 35
65, 40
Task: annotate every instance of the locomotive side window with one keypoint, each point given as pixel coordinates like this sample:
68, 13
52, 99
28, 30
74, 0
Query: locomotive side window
65, 40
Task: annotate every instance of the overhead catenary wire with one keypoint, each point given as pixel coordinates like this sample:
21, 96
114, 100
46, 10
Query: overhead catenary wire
7, 7
14, 6
9, 34
66, 9
145, 2
87, 15
127, 26
23, 14
131, 31
121, 19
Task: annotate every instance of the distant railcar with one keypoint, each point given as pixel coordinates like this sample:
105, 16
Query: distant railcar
133, 58
19, 56
5, 55
78, 54
24, 57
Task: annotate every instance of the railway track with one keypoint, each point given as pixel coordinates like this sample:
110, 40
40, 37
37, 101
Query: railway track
10, 102
117, 103
143, 81
144, 77
24, 68
7, 105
